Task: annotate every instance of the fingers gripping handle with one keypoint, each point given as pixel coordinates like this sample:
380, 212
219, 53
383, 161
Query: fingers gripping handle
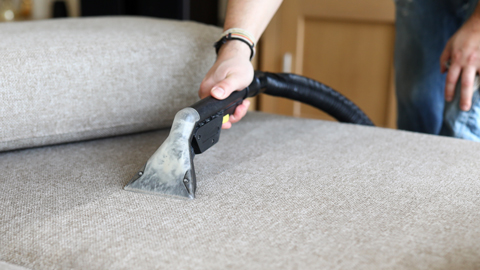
212, 112
211, 106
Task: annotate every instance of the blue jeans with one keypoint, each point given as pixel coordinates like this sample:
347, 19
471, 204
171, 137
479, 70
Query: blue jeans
423, 28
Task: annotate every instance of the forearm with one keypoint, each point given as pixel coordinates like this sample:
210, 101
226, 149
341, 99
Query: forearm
233, 69
251, 15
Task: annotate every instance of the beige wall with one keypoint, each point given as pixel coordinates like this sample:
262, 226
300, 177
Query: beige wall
42, 9
345, 44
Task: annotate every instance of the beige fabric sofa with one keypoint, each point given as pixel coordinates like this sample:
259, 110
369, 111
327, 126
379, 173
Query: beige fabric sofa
82, 103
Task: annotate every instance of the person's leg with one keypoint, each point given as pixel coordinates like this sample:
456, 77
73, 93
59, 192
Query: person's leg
458, 123
423, 27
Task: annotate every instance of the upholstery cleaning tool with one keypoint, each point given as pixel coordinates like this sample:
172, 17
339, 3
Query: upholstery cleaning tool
170, 170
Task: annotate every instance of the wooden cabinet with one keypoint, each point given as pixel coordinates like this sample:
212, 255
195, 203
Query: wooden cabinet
346, 44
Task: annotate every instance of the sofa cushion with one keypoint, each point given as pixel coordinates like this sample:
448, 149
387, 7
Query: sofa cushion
274, 193
75, 79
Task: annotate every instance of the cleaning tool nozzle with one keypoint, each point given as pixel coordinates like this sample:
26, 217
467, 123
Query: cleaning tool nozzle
169, 171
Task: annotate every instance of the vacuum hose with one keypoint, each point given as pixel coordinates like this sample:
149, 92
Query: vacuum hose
310, 92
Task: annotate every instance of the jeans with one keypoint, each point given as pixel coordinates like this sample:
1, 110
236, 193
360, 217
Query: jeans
423, 28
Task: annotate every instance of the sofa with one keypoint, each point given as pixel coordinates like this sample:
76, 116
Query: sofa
85, 102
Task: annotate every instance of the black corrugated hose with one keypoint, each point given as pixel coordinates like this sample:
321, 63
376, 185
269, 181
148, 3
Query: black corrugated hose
313, 93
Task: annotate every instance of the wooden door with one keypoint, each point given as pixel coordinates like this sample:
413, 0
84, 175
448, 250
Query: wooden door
346, 44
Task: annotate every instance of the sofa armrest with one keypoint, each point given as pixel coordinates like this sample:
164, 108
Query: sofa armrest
75, 79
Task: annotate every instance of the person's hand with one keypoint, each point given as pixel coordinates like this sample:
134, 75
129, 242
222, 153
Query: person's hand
463, 52
232, 71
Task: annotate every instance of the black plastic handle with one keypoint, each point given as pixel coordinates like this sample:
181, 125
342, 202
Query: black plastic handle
212, 111
210, 106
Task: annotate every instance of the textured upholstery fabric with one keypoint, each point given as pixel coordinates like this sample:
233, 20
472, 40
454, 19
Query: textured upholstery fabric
274, 193
74, 79
7, 266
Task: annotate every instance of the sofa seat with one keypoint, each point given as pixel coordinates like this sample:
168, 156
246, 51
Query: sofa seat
274, 193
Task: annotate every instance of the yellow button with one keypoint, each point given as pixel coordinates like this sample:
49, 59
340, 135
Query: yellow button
226, 117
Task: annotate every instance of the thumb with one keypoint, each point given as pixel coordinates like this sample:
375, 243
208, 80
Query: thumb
224, 88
